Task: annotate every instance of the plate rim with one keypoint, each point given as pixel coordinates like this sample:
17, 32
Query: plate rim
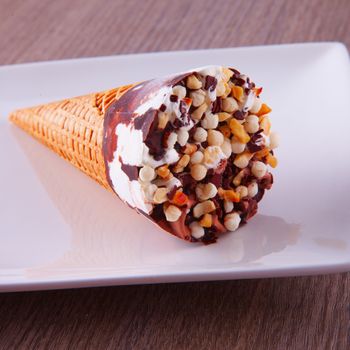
339, 44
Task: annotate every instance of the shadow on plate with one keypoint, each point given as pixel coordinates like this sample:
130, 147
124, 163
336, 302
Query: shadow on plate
107, 237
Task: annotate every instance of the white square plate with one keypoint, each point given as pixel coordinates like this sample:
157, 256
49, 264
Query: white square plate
60, 229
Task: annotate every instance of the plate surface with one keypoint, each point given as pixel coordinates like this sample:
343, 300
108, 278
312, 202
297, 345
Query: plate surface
59, 229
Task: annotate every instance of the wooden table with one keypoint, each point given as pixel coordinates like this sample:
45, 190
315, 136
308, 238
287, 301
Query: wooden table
284, 313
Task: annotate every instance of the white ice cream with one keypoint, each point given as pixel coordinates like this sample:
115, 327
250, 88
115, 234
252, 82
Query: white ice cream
131, 149
154, 100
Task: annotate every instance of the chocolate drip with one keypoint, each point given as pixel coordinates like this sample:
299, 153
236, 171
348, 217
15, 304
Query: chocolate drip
130, 171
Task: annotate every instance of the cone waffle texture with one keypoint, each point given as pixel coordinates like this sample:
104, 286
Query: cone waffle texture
73, 128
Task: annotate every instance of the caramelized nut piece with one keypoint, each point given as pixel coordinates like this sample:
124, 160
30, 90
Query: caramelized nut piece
200, 135
163, 171
220, 88
203, 208
226, 148
256, 106
180, 198
206, 191
227, 73
238, 178
198, 172
259, 169
160, 195
224, 116
188, 101
237, 147
251, 124
238, 93
184, 160
182, 163
232, 221
215, 138
198, 97
238, 131
230, 105
197, 231
227, 91
147, 174
257, 90
206, 220
163, 119
242, 191
230, 84
182, 137
179, 91
264, 109
225, 129
212, 154
172, 140
172, 213
193, 83
262, 153
190, 148
242, 160
197, 157
228, 206
252, 189
210, 121
265, 125
271, 160
149, 191
229, 195
198, 113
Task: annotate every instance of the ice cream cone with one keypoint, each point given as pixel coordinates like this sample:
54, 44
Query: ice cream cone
73, 128
189, 151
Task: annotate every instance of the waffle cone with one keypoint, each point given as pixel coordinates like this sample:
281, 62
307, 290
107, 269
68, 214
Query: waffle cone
73, 128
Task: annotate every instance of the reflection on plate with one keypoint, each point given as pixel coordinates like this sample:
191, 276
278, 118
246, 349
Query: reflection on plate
100, 231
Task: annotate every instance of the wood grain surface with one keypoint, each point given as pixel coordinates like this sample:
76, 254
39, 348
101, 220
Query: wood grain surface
288, 313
